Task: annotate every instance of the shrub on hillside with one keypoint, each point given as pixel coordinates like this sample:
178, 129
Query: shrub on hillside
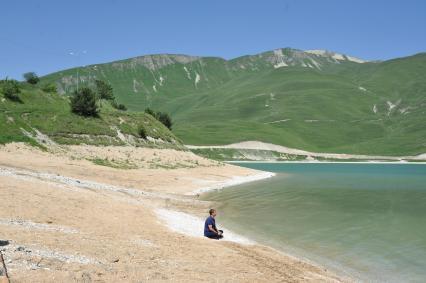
122, 107
84, 102
31, 78
51, 88
163, 117
10, 89
142, 132
104, 90
117, 106
150, 112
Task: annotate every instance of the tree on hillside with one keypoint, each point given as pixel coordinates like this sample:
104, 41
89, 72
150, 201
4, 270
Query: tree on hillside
10, 89
150, 112
121, 107
84, 102
163, 117
31, 78
104, 90
117, 106
142, 132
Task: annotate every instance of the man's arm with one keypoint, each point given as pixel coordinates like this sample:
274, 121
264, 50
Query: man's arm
211, 228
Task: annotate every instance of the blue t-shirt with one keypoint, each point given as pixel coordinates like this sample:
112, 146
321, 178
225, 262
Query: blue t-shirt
209, 221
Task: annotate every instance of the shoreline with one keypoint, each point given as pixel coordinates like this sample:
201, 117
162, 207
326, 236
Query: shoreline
234, 181
179, 221
327, 162
144, 223
188, 223
232, 236
335, 267
259, 145
192, 225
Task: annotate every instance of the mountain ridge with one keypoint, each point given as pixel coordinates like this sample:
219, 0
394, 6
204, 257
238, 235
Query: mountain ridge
330, 102
321, 52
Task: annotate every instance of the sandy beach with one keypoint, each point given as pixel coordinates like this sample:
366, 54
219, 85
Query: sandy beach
125, 214
258, 145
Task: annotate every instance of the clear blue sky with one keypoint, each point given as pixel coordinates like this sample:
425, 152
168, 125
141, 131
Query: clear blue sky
39, 35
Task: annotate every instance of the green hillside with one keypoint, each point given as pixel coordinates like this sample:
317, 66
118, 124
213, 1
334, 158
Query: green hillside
44, 118
312, 100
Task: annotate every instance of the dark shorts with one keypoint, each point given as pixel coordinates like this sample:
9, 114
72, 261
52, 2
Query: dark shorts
212, 235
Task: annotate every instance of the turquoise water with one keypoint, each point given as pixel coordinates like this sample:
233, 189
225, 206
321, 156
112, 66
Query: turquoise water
367, 221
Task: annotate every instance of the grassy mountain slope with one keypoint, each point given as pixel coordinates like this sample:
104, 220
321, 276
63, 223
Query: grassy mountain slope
40, 113
313, 100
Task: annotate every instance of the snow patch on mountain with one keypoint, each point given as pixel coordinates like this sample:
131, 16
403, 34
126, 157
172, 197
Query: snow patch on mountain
278, 121
316, 64
404, 110
280, 64
135, 86
188, 74
197, 79
392, 106
279, 59
356, 60
336, 56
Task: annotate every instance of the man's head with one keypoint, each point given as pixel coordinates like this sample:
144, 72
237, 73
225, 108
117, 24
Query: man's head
212, 212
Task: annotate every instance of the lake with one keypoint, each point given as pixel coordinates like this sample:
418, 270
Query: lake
366, 221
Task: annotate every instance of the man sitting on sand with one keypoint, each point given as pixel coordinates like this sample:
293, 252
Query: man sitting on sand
210, 230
